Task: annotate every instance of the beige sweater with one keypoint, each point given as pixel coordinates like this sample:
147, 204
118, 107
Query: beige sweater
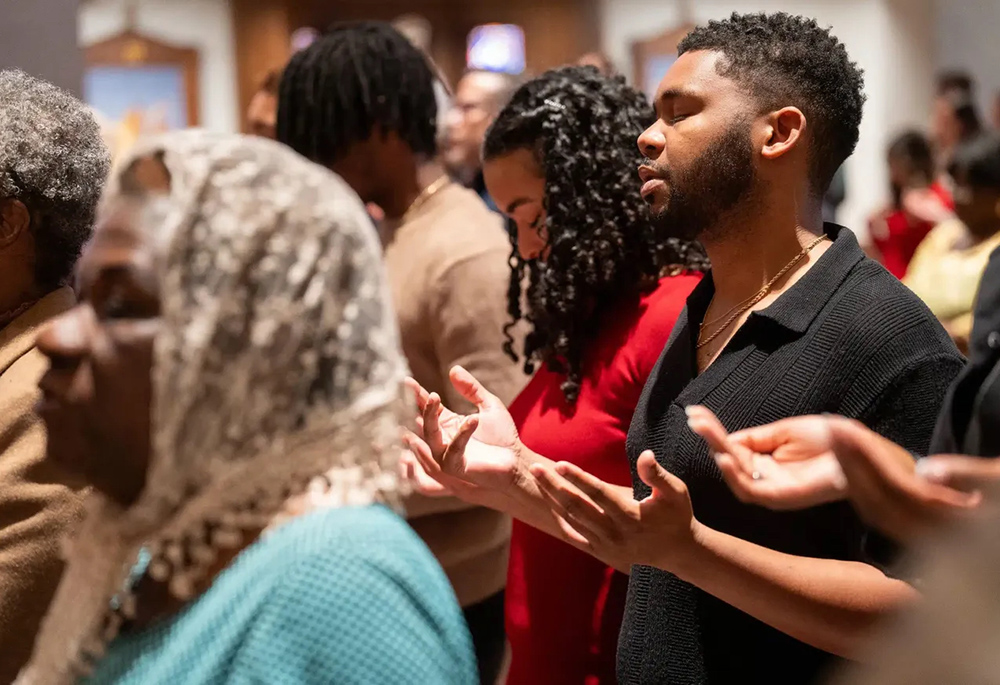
35, 511
449, 274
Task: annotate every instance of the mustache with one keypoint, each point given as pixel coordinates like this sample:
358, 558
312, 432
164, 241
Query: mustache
661, 170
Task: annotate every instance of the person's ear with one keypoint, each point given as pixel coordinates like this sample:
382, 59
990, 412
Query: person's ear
15, 219
784, 130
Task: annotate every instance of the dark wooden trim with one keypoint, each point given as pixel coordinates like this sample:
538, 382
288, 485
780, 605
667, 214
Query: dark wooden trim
133, 49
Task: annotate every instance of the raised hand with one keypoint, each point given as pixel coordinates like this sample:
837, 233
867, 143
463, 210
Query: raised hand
472, 456
785, 465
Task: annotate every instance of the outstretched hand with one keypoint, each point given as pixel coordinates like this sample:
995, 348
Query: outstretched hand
606, 520
474, 457
785, 465
809, 460
894, 494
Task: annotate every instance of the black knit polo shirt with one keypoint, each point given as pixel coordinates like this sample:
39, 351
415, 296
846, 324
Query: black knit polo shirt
847, 338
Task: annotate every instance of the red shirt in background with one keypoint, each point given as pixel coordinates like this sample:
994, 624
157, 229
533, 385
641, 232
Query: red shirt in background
564, 608
899, 233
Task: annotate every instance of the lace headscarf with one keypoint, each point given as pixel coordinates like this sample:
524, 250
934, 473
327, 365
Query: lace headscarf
277, 363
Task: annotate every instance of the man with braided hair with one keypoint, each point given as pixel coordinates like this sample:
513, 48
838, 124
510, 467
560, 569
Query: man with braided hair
361, 101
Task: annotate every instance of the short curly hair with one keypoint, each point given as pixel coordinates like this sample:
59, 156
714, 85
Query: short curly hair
790, 60
603, 243
54, 160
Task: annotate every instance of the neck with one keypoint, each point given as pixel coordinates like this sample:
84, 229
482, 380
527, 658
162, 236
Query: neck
409, 188
984, 231
15, 303
748, 251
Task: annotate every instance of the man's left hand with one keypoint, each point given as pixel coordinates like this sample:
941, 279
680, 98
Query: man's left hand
658, 531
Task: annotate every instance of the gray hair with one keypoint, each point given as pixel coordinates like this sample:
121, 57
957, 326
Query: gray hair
53, 159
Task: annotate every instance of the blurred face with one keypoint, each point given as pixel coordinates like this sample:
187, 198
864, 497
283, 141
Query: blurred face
359, 167
977, 208
900, 173
97, 393
700, 157
472, 112
262, 115
516, 183
945, 126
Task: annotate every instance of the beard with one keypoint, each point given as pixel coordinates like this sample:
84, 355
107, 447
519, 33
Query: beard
719, 179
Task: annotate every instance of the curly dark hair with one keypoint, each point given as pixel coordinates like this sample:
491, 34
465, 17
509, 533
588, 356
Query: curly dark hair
54, 160
790, 60
582, 127
358, 75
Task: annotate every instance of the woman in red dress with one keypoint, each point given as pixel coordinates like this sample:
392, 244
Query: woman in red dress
598, 291
919, 203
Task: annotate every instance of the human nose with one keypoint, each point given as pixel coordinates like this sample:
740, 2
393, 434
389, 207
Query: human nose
652, 142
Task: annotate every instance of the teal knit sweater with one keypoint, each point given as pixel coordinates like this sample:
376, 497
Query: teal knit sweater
346, 596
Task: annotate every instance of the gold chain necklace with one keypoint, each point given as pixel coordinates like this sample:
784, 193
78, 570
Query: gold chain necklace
9, 316
757, 297
425, 195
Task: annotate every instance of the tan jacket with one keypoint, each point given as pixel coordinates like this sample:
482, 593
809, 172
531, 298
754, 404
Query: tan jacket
448, 269
35, 511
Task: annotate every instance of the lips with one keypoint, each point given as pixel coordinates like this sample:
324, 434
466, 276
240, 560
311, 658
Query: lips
647, 174
652, 180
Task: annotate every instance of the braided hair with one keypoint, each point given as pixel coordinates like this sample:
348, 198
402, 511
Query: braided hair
603, 245
357, 76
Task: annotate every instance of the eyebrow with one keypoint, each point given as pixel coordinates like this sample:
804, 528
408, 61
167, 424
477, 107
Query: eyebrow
675, 93
512, 207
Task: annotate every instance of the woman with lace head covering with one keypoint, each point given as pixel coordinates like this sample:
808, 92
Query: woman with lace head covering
235, 351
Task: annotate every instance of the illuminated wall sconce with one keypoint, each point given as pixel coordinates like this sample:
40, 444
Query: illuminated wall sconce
496, 47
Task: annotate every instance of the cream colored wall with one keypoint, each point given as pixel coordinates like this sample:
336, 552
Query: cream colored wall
203, 24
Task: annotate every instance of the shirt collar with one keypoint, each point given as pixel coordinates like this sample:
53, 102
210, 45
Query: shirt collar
796, 309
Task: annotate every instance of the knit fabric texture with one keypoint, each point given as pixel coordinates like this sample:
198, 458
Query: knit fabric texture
346, 596
848, 338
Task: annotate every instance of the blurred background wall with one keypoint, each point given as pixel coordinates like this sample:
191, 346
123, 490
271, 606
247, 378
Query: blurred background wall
39, 36
901, 44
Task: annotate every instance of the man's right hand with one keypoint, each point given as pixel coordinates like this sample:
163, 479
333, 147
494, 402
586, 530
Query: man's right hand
476, 457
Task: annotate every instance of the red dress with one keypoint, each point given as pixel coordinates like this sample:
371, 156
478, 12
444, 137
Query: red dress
899, 235
564, 608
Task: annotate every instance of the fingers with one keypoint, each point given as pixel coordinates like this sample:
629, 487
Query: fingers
422, 452
604, 495
739, 481
706, 424
808, 433
419, 393
421, 481
885, 491
454, 454
431, 427
572, 534
571, 504
658, 478
702, 421
762, 439
959, 472
471, 389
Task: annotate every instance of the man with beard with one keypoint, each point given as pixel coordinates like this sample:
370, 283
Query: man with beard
754, 118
